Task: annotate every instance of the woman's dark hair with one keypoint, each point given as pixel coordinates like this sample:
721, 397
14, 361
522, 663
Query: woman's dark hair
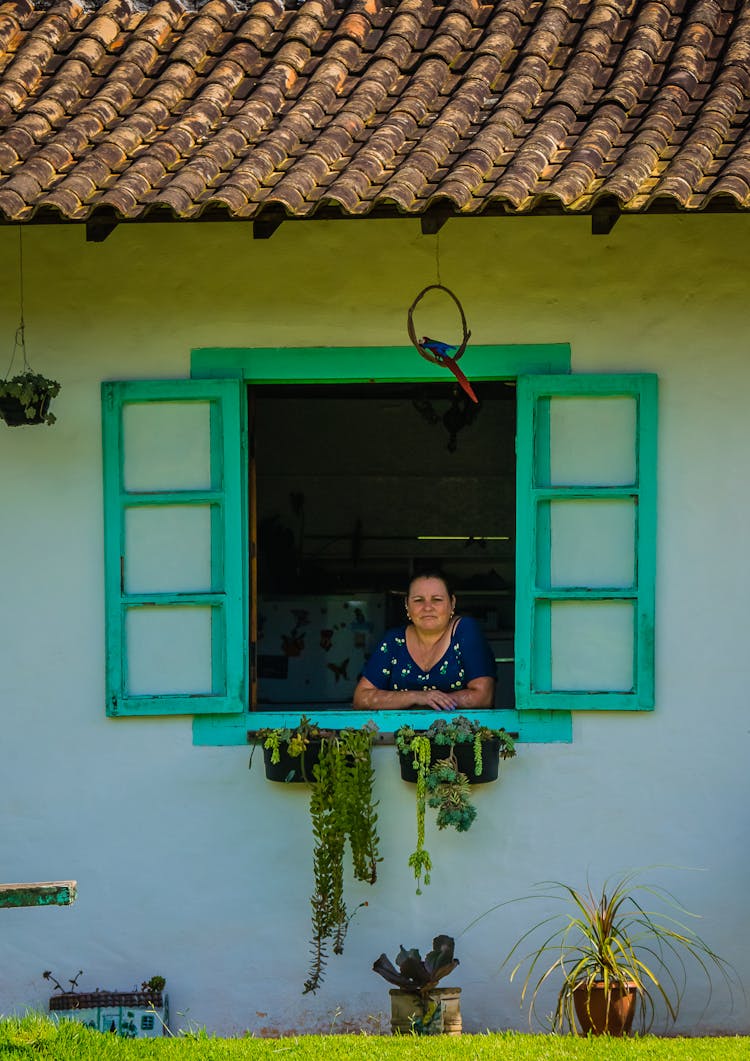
430, 573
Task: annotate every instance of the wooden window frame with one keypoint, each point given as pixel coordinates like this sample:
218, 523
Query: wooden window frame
533, 591
226, 501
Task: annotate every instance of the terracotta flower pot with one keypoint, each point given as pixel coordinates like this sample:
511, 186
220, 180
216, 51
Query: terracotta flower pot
603, 1012
464, 758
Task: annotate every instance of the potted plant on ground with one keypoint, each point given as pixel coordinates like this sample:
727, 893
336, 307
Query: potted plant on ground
612, 951
25, 398
444, 761
342, 809
418, 1005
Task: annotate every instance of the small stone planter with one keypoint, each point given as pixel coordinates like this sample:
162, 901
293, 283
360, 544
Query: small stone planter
130, 1014
436, 1013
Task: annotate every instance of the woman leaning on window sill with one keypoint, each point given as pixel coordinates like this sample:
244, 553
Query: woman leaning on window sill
437, 659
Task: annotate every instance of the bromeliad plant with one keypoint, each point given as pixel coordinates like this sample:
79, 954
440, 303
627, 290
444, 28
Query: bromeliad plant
610, 940
440, 783
417, 1000
416, 975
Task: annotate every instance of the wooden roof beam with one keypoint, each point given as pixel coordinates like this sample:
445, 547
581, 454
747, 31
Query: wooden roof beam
434, 219
100, 225
265, 225
603, 219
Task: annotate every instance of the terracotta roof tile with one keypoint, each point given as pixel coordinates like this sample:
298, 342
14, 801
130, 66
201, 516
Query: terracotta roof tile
248, 105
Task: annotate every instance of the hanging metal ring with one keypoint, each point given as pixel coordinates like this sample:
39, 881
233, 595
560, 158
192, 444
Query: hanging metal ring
427, 354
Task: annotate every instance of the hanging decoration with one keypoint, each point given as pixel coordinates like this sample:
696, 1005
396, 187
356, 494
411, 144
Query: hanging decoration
25, 398
440, 352
464, 405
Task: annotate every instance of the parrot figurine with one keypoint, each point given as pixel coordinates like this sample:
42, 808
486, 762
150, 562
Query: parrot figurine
441, 353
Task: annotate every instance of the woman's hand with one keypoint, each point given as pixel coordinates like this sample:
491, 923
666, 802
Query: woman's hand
435, 699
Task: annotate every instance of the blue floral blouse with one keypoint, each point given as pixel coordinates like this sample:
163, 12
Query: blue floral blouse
468, 656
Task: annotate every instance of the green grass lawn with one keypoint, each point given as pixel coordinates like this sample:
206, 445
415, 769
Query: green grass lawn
38, 1037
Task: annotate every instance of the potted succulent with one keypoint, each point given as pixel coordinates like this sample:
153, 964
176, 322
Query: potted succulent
338, 765
418, 1005
25, 399
476, 748
444, 761
289, 754
611, 951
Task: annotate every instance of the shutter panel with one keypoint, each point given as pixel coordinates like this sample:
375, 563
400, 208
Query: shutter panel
586, 533
174, 564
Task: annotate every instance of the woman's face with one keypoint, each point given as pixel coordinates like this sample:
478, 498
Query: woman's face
429, 604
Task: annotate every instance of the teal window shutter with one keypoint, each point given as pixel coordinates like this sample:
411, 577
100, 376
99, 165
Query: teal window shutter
586, 542
175, 573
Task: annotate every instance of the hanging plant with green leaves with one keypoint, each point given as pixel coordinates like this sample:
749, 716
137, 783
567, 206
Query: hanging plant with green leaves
419, 859
440, 782
25, 398
341, 808
450, 795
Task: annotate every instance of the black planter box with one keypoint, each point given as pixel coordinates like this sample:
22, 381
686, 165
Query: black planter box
292, 769
464, 754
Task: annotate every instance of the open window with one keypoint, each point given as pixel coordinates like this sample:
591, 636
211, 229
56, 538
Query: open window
356, 488
252, 571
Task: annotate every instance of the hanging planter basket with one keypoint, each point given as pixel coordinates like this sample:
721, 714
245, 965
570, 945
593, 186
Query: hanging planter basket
25, 399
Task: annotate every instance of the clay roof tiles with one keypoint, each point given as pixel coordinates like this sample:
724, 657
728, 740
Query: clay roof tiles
368, 107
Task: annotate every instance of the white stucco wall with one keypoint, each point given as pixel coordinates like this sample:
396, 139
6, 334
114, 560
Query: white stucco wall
194, 868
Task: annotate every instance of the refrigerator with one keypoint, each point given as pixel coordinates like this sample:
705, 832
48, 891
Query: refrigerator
311, 648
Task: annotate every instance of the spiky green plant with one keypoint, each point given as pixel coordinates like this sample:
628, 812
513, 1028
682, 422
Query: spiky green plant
610, 937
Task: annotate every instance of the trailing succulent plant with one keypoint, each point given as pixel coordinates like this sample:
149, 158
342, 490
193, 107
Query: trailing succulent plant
440, 783
419, 859
341, 809
450, 795
416, 975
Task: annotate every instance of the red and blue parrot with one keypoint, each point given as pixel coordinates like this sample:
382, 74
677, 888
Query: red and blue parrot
441, 354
